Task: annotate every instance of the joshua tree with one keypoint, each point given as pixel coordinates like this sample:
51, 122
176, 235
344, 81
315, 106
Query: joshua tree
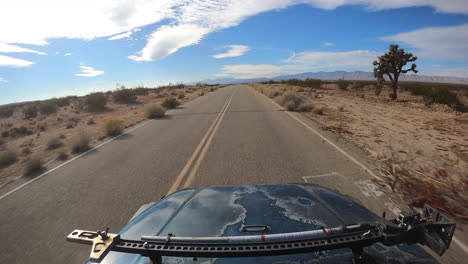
391, 64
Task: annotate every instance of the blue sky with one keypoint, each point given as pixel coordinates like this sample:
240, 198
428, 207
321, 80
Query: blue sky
55, 48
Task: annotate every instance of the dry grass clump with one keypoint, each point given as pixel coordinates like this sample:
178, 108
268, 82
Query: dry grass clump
54, 142
112, 126
272, 93
181, 95
319, 111
290, 101
80, 143
7, 157
91, 121
341, 107
170, 103
305, 108
33, 165
62, 155
154, 111
41, 126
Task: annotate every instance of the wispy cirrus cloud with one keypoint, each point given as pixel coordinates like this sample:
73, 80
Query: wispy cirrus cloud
14, 62
328, 44
3, 80
87, 71
68, 54
436, 42
121, 36
232, 51
8, 48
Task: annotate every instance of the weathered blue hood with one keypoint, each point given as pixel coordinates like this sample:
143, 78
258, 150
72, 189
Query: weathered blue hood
224, 211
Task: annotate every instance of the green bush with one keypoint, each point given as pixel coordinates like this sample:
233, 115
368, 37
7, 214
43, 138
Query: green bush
154, 111
80, 143
6, 111
47, 107
95, 101
140, 90
358, 85
18, 132
7, 157
170, 103
30, 111
112, 126
124, 96
311, 83
33, 165
443, 96
342, 84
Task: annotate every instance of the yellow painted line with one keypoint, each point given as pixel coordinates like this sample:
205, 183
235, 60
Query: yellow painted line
175, 186
190, 178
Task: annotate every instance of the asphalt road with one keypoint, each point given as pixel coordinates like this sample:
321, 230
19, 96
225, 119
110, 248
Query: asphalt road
232, 136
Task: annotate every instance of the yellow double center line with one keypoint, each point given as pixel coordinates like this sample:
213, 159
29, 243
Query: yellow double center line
200, 151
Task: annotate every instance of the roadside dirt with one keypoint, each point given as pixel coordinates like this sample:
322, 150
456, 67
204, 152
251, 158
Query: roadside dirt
422, 150
70, 121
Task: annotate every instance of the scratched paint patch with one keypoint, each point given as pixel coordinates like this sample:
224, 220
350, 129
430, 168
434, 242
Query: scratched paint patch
369, 189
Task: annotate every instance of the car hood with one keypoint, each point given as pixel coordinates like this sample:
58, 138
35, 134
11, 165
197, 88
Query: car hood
225, 210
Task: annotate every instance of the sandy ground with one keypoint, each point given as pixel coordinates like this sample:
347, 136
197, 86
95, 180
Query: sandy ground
56, 126
420, 149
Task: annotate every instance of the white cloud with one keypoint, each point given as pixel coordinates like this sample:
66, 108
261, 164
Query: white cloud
188, 21
321, 59
436, 42
222, 75
233, 51
448, 71
87, 71
304, 61
2, 80
247, 71
121, 36
8, 48
328, 44
169, 39
67, 54
14, 62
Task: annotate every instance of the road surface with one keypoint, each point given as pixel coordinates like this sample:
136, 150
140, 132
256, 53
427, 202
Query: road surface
232, 136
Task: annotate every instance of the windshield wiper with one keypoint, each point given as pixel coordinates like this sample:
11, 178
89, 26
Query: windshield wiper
432, 229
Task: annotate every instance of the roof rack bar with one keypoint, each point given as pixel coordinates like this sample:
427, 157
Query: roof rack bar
249, 249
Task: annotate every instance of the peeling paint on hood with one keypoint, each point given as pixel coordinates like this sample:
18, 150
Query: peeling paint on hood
222, 211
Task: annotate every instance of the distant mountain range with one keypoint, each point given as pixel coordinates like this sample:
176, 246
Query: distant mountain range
336, 75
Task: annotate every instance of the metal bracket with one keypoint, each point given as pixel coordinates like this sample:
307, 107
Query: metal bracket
101, 242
